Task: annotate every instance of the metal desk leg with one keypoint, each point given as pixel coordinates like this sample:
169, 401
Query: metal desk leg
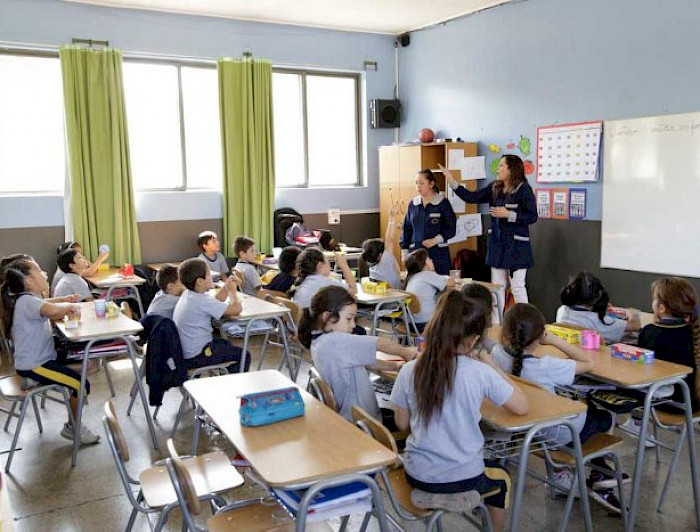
375, 318
197, 429
404, 314
689, 434
287, 358
81, 400
142, 393
246, 337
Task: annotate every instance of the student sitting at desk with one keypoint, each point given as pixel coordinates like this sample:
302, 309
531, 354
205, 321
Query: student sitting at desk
244, 249
480, 293
314, 274
523, 332
425, 284
73, 264
438, 396
585, 303
88, 272
377, 260
287, 276
209, 243
341, 356
26, 317
193, 315
171, 289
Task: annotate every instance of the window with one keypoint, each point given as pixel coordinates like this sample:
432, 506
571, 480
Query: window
173, 119
317, 133
32, 137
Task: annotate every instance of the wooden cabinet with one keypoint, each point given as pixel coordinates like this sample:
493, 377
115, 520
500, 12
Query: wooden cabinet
398, 166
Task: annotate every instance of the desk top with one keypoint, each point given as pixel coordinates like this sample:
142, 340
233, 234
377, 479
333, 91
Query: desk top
158, 265
615, 370
111, 277
254, 308
372, 299
544, 406
92, 327
298, 451
492, 287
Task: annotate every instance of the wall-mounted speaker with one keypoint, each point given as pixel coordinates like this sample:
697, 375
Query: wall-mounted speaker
384, 113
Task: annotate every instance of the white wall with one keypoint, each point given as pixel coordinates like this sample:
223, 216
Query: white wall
54, 22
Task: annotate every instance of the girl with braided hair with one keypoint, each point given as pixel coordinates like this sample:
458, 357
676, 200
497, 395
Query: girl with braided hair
522, 335
675, 334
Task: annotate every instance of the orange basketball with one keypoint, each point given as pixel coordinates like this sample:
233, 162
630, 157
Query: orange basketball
426, 135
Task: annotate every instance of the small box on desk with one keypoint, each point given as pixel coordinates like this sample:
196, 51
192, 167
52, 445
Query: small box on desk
571, 336
632, 353
372, 287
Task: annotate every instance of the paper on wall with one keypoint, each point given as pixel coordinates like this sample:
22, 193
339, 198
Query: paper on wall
473, 167
457, 203
454, 159
467, 225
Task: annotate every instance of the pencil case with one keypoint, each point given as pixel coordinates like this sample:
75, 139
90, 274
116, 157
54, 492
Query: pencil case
632, 353
265, 408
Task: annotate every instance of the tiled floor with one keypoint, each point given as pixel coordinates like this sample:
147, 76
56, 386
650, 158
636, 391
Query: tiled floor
48, 495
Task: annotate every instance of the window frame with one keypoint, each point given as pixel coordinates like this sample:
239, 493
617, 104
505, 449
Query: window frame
46, 54
357, 77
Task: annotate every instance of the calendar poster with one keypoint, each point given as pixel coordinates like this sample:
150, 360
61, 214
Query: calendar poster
560, 203
544, 202
568, 152
577, 203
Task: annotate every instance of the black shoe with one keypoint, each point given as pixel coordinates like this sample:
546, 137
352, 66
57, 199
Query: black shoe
608, 500
599, 481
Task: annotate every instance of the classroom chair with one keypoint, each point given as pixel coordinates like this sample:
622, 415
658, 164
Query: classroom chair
398, 328
297, 350
249, 515
13, 389
320, 389
394, 483
212, 473
674, 423
600, 445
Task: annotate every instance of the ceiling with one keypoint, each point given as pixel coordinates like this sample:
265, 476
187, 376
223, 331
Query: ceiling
374, 16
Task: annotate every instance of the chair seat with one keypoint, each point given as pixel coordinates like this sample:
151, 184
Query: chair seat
259, 518
596, 443
402, 490
211, 473
674, 420
14, 387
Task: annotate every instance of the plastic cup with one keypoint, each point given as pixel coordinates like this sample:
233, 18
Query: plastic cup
100, 308
456, 275
276, 252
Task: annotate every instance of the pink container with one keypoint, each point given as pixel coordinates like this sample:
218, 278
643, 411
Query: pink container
590, 340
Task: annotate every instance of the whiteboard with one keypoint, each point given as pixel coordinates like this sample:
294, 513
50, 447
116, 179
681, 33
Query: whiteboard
651, 195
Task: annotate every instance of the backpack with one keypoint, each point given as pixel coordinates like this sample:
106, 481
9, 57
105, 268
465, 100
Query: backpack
472, 265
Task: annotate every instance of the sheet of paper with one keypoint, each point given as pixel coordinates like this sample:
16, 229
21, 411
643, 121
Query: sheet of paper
544, 203
454, 159
473, 167
568, 152
457, 203
467, 225
560, 203
577, 203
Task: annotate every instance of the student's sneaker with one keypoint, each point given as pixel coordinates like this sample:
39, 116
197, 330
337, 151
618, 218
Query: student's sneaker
607, 499
87, 437
632, 428
600, 481
563, 483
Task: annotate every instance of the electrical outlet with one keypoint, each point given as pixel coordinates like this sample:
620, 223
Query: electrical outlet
333, 216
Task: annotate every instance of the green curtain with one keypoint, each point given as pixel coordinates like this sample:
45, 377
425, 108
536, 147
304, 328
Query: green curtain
245, 102
102, 198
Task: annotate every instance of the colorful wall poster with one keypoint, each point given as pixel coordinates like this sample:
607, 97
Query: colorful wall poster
544, 202
577, 203
568, 152
560, 203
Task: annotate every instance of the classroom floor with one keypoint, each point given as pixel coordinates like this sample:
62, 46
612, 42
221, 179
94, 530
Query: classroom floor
48, 495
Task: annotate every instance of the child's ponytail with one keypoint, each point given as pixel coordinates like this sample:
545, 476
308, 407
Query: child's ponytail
307, 262
522, 325
330, 299
695, 330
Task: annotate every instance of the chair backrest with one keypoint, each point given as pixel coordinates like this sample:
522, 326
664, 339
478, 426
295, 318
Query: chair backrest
413, 303
182, 482
378, 431
115, 430
296, 311
126, 310
320, 389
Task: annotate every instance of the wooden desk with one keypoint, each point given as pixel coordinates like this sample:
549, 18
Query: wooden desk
295, 453
156, 266
91, 330
111, 279
391, 297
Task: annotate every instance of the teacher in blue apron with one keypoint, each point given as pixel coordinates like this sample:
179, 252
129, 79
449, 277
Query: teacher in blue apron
513, 209
430, 222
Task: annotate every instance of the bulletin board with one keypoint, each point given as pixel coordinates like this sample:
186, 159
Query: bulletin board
569, 153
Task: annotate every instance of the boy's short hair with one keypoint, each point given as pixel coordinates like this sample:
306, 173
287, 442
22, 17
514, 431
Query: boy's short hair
242, 244
67, 245
167, 274
65, 259
287, 260
204, 237
191, 270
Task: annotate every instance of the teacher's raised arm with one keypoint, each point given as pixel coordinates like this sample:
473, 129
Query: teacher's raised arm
430, 222
513, 208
